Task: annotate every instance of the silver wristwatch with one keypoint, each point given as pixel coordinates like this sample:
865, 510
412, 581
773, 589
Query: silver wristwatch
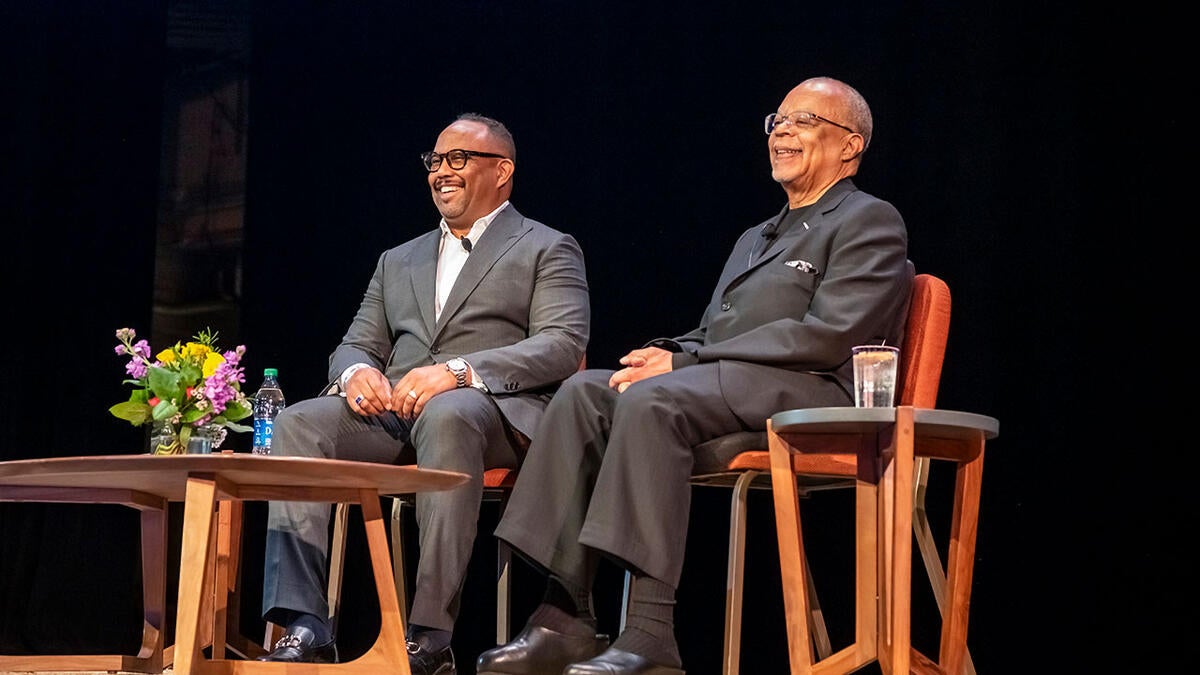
459, 369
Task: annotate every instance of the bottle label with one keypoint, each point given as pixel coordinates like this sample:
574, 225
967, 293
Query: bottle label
263, 431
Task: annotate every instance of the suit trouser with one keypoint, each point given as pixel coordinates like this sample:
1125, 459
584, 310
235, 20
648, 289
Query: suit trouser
458, 430
610, 472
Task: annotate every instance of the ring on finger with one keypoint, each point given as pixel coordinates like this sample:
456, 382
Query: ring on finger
358, 400
412, 393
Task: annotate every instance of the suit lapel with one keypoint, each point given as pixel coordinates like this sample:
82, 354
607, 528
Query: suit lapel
424, 277
825, 205
497, 239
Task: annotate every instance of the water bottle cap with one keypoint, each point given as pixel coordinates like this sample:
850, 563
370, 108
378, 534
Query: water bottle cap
270, 372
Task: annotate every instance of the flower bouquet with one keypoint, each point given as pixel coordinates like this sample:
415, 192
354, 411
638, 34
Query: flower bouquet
189, 389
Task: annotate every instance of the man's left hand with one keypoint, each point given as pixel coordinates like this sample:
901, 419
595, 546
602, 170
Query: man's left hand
640, 364
414, 390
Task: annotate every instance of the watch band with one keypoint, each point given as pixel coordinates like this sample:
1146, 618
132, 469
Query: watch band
460, 374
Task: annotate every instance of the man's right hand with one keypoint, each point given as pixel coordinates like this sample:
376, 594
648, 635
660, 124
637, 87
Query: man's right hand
368, 391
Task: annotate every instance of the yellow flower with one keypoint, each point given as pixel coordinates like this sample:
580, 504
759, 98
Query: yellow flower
196, 352
211, 362
166, 356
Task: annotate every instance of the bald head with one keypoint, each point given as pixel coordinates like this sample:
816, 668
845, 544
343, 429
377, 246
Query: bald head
817, 137
856, 112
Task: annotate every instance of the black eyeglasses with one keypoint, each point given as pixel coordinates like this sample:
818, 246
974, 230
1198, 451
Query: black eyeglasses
799, 118
457, 159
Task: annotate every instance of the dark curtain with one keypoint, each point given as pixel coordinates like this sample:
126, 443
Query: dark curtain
638, 127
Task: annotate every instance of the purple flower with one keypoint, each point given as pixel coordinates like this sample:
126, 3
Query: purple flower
136, 369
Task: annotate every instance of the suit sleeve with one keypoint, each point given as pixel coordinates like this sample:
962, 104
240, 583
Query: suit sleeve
864, 287
368, 339
559, 326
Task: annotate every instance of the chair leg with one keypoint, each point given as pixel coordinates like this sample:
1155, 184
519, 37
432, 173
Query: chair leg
503, 592
398, 573
734, 573
625, 601
503, 579
735, 587
337, 563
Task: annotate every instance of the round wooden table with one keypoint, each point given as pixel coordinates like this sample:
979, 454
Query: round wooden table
879, 447
149, 482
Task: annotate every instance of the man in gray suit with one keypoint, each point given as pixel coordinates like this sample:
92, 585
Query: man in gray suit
462, 336
608, 472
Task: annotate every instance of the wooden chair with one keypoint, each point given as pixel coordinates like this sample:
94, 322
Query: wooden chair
497, 486
742, 461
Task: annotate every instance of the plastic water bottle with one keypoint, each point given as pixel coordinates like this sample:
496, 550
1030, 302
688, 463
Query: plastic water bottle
268, 401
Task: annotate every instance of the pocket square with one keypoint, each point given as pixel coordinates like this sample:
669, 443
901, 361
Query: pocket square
802, 265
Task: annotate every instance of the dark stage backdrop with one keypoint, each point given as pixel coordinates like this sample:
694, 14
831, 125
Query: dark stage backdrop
639, 131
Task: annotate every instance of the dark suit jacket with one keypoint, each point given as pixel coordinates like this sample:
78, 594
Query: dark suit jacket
840, 279
518, 313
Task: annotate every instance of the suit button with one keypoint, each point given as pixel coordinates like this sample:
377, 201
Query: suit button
726, 306
434, 350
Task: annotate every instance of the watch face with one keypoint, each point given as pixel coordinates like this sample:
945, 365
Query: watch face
458, 368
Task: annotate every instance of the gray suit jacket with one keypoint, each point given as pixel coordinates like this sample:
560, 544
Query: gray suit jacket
797, 307
518, 313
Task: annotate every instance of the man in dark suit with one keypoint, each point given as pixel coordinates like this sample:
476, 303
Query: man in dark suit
608, 473
462, 336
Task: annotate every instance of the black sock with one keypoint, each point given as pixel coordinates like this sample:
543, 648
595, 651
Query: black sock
650, 622
565, 608
318, 625
432, 639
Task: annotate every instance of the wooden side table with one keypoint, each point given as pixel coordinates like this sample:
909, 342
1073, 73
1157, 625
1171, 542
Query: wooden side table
147, 483
879, 446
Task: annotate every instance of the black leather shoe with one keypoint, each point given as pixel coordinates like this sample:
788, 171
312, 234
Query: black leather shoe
616, 662
297, 647
422, 661
539, 651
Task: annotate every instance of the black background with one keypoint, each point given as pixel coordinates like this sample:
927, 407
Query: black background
1020, 142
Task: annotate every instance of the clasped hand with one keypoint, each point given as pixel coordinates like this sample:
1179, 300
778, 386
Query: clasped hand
640, 364
369, 393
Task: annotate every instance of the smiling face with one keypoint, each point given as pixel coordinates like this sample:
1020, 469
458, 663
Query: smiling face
465, 195
808, 156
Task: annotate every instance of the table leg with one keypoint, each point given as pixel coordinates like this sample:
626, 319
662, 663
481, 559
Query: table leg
791, 553
390, 645
960, 563
895, 494
193, 564
154, 584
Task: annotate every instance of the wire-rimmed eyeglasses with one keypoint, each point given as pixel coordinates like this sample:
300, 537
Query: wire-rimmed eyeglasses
456, 158
800, 118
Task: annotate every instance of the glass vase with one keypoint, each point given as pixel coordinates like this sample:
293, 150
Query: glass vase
168, 439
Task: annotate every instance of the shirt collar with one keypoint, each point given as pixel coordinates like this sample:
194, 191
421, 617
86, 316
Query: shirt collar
477, 227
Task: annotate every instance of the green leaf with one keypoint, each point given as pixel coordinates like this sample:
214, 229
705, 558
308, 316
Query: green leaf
164, 410
190, 374
237, 410
136, 414
165, 384
232, 426
192, 415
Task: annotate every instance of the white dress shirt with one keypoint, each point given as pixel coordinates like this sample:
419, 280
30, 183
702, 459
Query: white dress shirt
452, 255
